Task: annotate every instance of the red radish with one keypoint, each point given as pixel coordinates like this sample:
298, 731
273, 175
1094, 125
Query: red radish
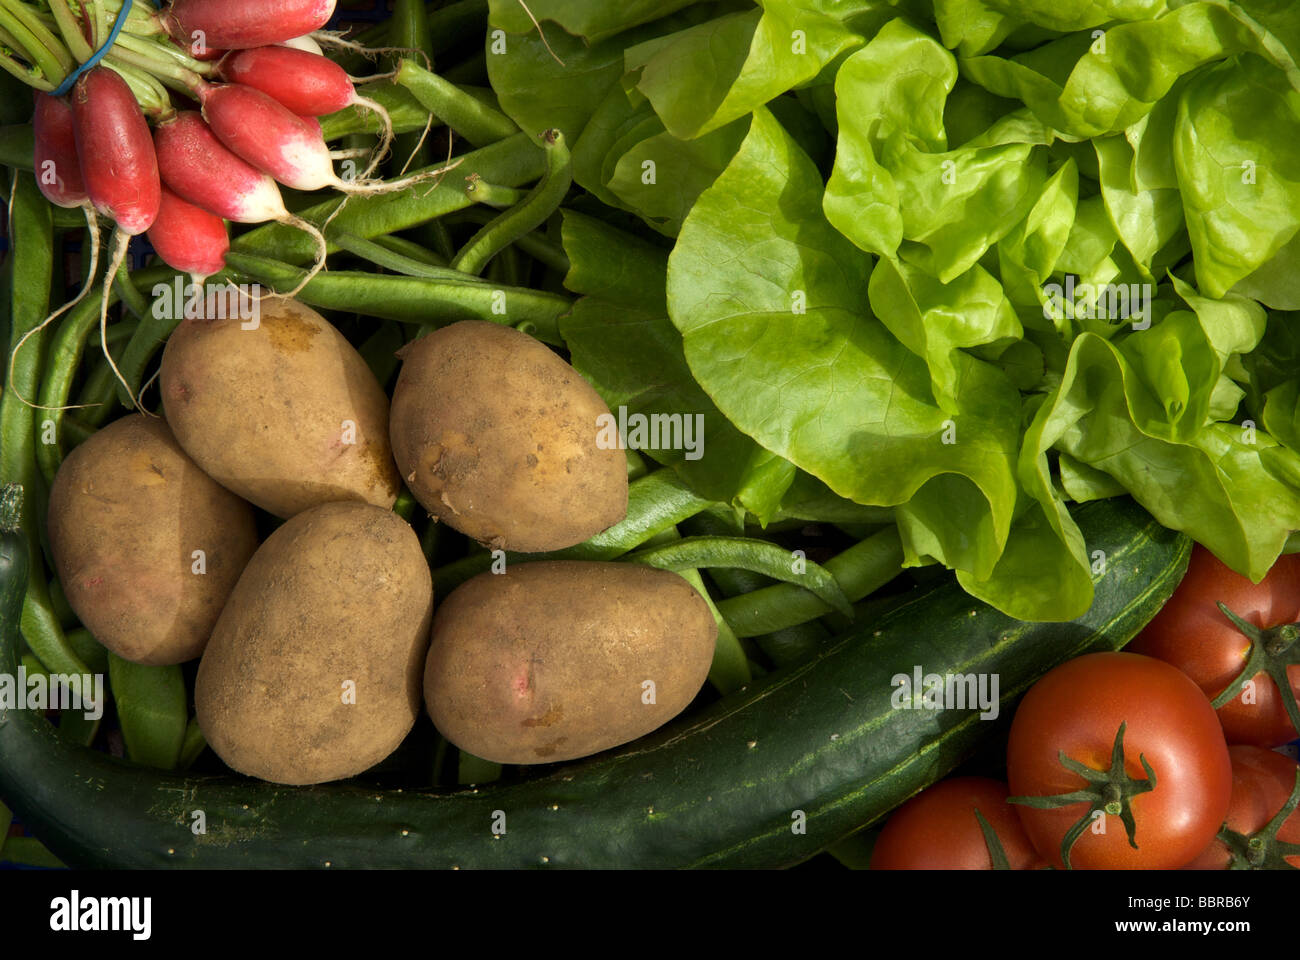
118, 163
275, 140
197, 167
58, 171
192, 48
308, 84
189, 238
238, 24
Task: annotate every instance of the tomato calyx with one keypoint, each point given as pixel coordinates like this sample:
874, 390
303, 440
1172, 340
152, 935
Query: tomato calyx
1109, 792
1262, 850
997, 854
1272, 651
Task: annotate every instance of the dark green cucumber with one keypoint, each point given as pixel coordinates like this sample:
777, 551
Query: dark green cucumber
766, 777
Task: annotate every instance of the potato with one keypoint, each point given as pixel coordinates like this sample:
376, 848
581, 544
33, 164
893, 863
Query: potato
287, 415
496, 436
554, 660
313, 671
128, 513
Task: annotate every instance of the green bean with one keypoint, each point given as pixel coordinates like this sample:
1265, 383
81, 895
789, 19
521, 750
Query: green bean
534, 244
511, 162
62, 610
859, 570
405, 112
152, 709
413, 299
192, 746
411, 250
31, 271
89, 649
383, 257
429, 539
476, 121
77, 431
782, 647
65, 356
380, 351
492, 195
526, 216
472, 770
636, 465
410, 25
30, 852
73, 722
131, 298
6, 821
156, 325
18, 146
655, 503
730, 668
757, 556
405, 505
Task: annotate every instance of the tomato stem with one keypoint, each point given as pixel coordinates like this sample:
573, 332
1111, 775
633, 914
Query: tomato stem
1262, 850
1273, 651
1109, 792
997, 854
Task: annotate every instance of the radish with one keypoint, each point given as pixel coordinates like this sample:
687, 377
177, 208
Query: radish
199, 169
275, 140
305, 42
308, 84
58, 171
118, 164
237, 24
58, 174
119, 167
189, 238
196, 166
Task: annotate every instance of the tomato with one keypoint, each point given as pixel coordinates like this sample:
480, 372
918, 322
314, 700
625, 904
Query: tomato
937, 829
1196, 637
1262, 780
1078, 709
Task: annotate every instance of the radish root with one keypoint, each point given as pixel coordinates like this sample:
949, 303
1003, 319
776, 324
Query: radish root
392, 186
92, 222
332, 38
385, 141
121, 242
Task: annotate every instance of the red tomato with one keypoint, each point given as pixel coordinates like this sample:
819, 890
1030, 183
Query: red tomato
1193, 634
1262, 780
937, 829
1078, 708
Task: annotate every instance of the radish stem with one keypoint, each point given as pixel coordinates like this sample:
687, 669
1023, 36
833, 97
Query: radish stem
70, 28
30, 45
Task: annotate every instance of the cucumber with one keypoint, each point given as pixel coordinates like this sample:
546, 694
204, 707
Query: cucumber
766, 777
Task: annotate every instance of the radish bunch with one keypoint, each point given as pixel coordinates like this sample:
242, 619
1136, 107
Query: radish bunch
249, 68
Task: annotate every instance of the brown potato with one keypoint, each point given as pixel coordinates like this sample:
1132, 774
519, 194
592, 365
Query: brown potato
128, 511
558, 659
496, 436
286, 415
335, 605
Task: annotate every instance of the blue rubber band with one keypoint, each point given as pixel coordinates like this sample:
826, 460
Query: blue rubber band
99, 54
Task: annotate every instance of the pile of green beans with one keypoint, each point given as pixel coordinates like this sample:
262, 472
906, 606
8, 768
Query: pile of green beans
479, 244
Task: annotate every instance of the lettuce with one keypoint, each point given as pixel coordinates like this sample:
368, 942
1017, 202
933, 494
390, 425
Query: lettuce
963, 263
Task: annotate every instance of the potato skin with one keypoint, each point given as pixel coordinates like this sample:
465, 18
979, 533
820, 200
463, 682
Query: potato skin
496, 436
127, 510
341, 592
547, 661
263, 411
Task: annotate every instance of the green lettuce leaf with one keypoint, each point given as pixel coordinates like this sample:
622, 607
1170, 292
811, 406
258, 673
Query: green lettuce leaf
772, 304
